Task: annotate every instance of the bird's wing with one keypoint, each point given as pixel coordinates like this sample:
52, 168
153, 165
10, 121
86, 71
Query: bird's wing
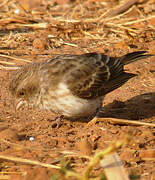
95, 75
91, 75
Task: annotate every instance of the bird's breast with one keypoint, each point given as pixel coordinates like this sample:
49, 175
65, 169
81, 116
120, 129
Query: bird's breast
62, 101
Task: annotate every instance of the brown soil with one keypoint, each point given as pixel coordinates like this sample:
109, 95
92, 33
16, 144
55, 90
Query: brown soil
31, 134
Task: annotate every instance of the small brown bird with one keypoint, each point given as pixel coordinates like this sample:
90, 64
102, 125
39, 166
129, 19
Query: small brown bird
71, 85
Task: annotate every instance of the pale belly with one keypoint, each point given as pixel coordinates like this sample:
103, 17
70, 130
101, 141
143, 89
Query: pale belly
63, 102
71, 106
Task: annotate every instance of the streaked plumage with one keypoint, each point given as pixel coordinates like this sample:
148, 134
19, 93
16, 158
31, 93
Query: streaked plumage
71, 85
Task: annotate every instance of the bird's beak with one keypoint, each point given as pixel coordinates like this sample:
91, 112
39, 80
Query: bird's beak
19, 104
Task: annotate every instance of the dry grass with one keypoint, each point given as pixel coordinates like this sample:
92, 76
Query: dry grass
76, 21
66, 24
63, 167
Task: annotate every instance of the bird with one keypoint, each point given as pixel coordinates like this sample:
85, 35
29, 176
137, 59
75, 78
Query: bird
73, 86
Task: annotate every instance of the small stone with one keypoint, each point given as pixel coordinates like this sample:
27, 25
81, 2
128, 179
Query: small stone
31, 139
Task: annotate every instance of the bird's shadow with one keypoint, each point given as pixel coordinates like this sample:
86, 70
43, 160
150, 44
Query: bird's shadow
138, 107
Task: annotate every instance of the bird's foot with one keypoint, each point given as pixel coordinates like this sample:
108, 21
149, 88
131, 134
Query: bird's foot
57, 121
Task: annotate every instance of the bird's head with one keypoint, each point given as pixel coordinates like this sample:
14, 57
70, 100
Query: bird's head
24, 86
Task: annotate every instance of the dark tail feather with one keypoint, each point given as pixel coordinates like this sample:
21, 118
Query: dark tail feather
117, 82
134, 56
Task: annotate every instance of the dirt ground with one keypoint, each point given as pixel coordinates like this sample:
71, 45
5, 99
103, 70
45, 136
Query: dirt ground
37, 30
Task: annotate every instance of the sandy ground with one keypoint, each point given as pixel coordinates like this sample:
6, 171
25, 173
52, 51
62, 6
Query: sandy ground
31, 134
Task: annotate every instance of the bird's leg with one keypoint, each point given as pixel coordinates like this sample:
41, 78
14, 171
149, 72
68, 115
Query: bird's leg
57, 121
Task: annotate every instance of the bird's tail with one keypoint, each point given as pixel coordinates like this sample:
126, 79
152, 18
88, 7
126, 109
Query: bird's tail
134, 56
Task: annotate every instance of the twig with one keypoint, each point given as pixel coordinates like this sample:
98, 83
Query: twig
8, 68
122, 27
35, 25
138, 20
70, 44
10, 57
121, 8
7, 63
27, 161
121, 121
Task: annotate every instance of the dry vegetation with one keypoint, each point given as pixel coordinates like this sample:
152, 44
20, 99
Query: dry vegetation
35, 30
